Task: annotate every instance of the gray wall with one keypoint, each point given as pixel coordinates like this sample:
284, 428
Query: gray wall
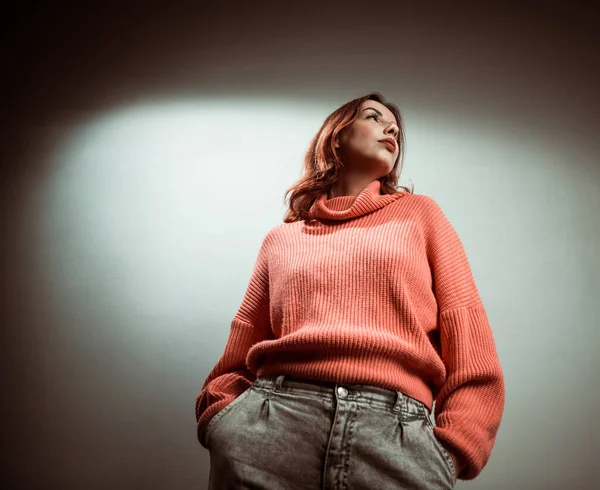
145, 156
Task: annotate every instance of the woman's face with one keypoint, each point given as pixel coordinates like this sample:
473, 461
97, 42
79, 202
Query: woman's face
360, 145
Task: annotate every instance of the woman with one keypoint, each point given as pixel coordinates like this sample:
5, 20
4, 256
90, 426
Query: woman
360, 312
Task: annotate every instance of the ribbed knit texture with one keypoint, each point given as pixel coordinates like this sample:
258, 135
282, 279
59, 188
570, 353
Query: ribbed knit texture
377, 291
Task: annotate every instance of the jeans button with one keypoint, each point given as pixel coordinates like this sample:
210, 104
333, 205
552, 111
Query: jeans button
342, 392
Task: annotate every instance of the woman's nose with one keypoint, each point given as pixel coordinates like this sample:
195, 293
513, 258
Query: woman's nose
392, 129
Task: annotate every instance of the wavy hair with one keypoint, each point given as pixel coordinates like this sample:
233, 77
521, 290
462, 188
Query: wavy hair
322, 163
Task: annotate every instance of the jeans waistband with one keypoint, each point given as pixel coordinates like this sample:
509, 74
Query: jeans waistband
284, 383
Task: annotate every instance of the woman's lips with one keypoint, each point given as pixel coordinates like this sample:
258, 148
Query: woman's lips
391, 146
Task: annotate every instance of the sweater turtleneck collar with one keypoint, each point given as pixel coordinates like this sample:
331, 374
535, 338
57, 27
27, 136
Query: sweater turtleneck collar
347, 207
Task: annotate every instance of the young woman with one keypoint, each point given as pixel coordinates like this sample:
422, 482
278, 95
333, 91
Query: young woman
361, 311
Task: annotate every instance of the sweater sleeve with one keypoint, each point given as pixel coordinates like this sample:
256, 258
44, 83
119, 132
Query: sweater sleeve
230, 377
470, 404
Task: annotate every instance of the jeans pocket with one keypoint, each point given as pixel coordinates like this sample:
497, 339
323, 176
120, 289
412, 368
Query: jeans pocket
438, 443
220, 415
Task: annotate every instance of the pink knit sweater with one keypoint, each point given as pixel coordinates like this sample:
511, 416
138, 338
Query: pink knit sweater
377, 291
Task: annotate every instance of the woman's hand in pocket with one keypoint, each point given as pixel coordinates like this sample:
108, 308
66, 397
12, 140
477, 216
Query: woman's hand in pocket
456, 463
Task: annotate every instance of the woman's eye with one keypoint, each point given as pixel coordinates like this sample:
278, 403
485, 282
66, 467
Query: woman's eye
374, 116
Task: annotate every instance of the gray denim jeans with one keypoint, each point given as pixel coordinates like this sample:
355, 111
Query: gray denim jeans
284, 433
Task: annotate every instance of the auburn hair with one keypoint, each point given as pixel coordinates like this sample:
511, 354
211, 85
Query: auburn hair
322, 164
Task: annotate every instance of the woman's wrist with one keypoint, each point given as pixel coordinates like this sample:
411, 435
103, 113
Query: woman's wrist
457, 465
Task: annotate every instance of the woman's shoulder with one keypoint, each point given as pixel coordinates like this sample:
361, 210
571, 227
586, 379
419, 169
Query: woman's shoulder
280, 229
420, 201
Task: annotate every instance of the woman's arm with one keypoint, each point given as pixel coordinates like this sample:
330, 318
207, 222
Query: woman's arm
470, 404
230, 377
